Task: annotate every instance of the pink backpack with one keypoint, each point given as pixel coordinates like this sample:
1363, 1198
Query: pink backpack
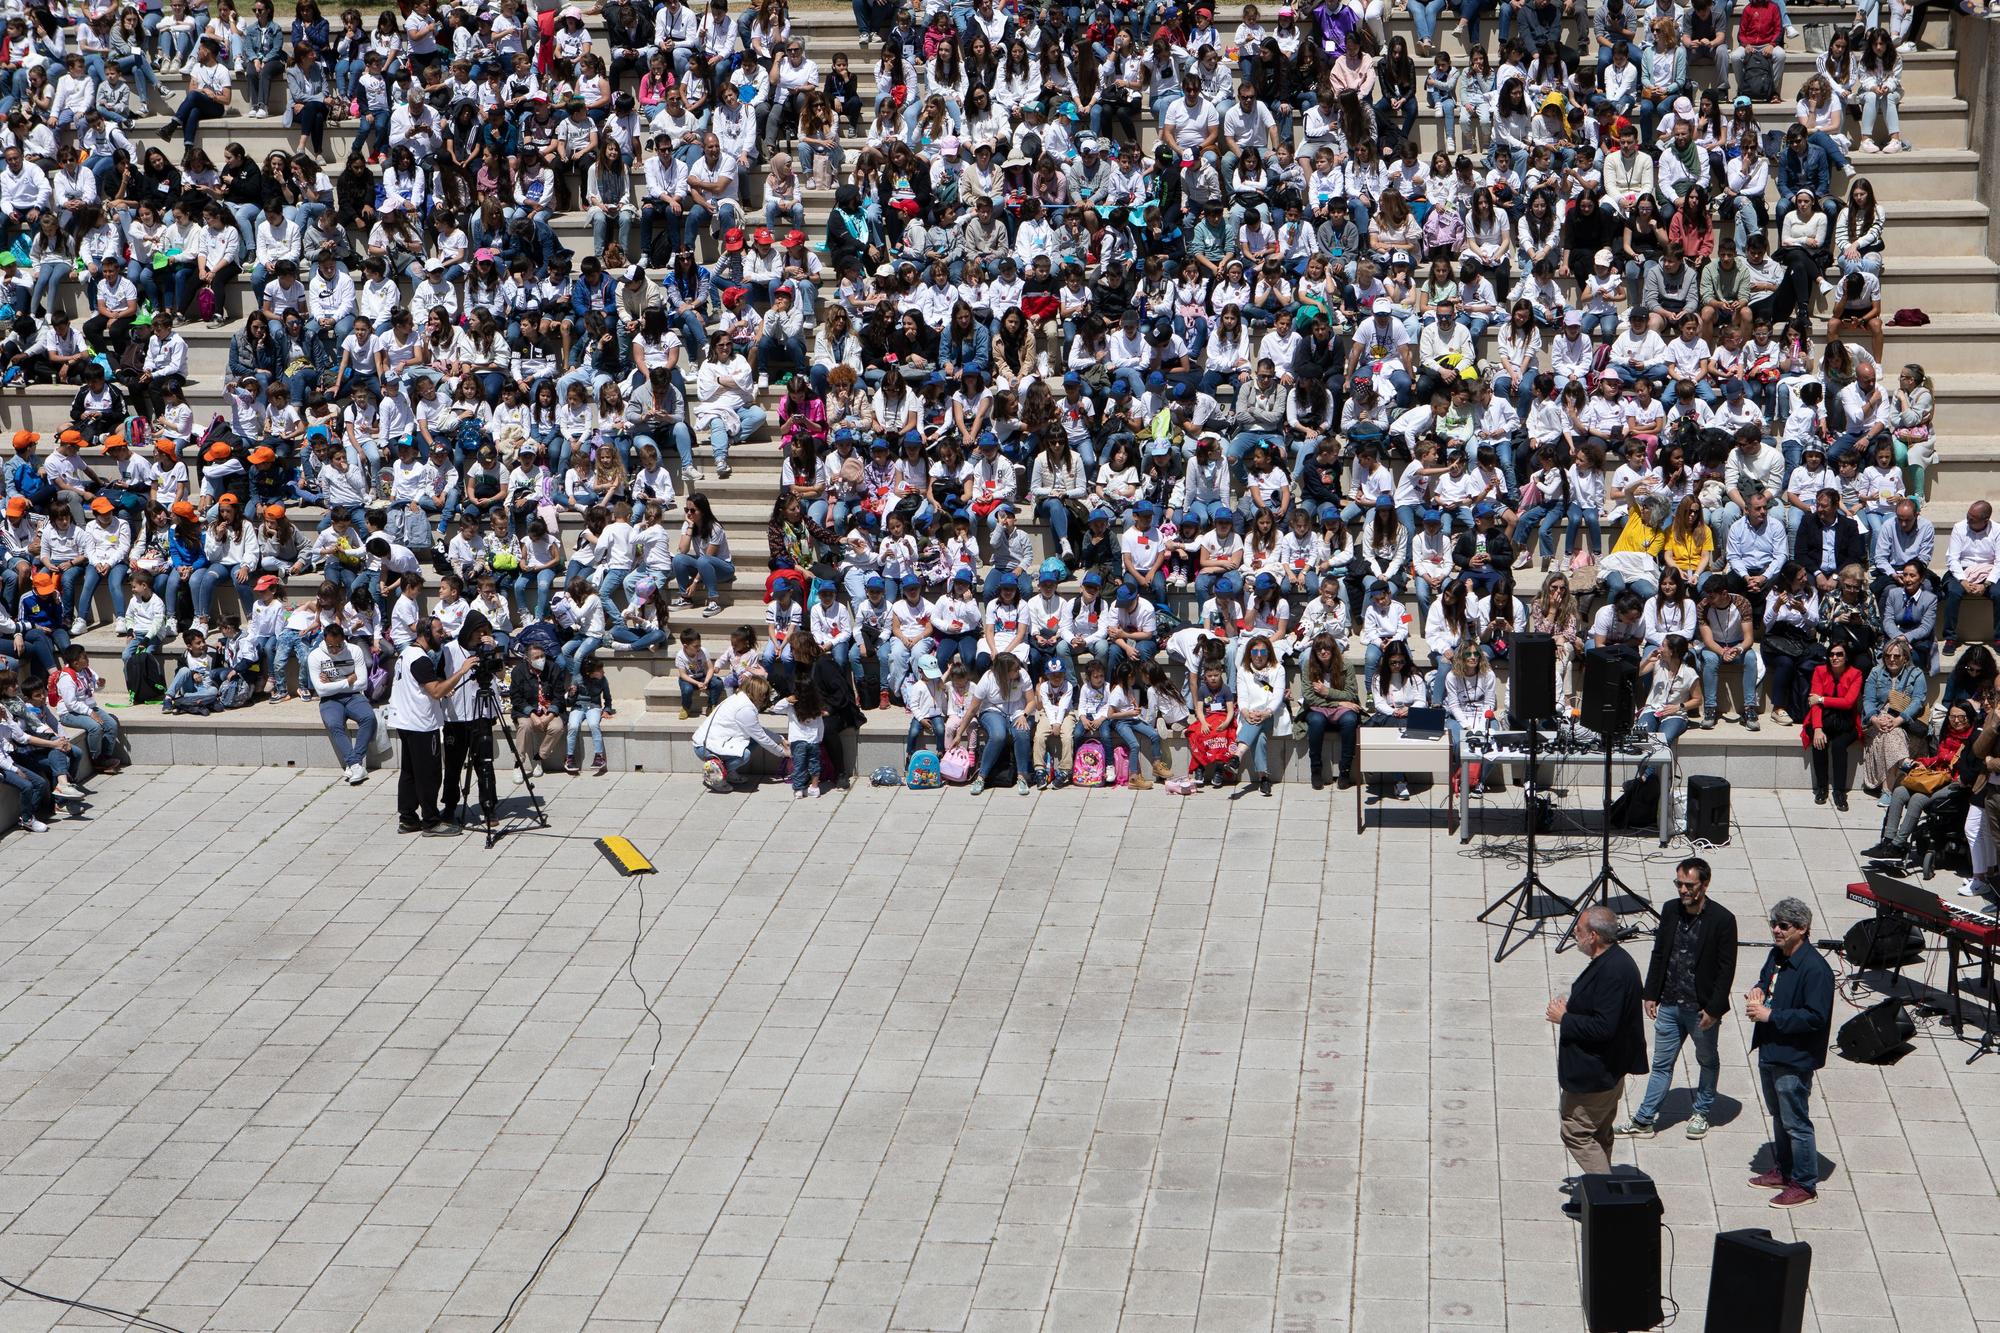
957, 766
1087, 769
1121, 766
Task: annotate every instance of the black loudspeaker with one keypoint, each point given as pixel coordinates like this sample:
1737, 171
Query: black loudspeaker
1708, 810
1610, 691
1621, 1252
1531, 677
1882, 943
1757, 1284
1876, 1033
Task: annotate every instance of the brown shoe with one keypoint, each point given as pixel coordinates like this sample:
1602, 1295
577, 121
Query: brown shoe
1768, 1180
1139, 781
1162, 769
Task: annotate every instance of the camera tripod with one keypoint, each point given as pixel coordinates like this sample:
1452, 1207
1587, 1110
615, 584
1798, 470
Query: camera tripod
486, 703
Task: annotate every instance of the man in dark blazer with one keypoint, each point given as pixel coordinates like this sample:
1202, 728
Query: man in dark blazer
1603, 1038
1482, 552
1811, 547
1687, 994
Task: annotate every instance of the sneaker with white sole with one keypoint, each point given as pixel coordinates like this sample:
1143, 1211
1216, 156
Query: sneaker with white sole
77, 627
1697, 1126
33, 825
65, 790
1635, 1128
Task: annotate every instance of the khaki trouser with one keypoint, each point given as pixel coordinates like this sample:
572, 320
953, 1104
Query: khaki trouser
1586, 1126
539, 738
1063, 734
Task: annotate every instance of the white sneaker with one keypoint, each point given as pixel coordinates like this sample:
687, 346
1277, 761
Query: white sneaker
200, 625
170, 628
64, 789
33, 825
356, 774
1896, 146
1973, 888
77, 627
1869, 146
1791, 32
763, 383
118, 625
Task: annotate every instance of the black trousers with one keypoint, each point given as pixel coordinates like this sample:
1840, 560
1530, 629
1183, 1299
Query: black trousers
417, 783
468, 752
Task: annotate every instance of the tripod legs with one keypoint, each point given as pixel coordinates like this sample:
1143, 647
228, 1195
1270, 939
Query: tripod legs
1600, 889
537, 814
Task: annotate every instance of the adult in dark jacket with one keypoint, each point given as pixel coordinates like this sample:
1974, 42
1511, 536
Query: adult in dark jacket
1809, 546
1483, 552
1603, 1038
843, 713
1688, 982
1792, 1007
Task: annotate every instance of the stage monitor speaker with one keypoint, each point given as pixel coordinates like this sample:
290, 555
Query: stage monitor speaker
1881, 943
1610, 691
1532, 678
1621, 1252
1877, 1032
1757, 1284
1708, 810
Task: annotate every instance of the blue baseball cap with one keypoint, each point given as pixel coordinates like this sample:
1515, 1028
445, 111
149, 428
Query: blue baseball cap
1071, 377
913, 437
1385, 502
1431, 516
1100, 516
1144, 509
1329, 513
910, 583
988, 440
842, 435
1125, 594
1155, 380
1183, 390
1007, 509
1484, 509
1227, 586
873, 583
1006, 580
1266, 582
1158, 449
961, 575
1093, 579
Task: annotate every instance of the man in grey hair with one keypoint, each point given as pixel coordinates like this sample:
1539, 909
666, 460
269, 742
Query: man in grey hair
1792, 1006
1602, 1039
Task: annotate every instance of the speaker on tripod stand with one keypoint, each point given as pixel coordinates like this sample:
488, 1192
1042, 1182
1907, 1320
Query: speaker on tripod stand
1610, 705
1533, 679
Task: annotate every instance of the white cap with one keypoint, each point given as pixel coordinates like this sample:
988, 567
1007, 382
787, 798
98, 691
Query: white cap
1382, 305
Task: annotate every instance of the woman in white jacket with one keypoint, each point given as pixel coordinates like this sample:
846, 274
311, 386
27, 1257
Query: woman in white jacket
722, 742
1471, 697
1261, 712
107, 541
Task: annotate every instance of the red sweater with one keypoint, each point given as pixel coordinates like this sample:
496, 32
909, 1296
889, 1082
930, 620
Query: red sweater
1844, 695
1758, 25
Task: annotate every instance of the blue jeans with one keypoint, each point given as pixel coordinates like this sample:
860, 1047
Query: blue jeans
715, 574
1255, 738
1711, 671
1677, 1023
1317, 727
1140, 740
805, 764
571, 656
579, 717
34, 791
733, 765
100, 732
999, 733
339, 710
1788, 1096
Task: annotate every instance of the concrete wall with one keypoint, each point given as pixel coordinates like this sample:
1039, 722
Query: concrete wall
1978, 45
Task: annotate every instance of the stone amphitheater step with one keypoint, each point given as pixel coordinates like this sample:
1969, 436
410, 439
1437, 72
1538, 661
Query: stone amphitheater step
640, 738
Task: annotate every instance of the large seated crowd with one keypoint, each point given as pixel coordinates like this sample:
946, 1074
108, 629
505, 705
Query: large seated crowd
1153, 373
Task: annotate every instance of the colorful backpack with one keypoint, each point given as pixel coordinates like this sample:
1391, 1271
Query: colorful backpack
1087, 769
924, 773
1121, 766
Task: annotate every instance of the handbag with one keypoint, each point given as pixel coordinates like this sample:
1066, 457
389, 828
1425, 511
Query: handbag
1926, 781
958, 764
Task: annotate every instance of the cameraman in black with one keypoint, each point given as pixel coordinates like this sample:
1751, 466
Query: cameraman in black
468, 726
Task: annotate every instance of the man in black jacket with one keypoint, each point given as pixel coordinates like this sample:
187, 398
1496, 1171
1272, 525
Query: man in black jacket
1828, 541
1687, 993
1602, 1040
1792, 1006
1482, 552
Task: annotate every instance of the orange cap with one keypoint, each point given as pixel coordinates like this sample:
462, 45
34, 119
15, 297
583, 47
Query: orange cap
274, 512
262, 455
100, 505
47, 583
114, 441
166, 447
24, 439
70, 436
215, 453
182, 509
228, 498
17, 507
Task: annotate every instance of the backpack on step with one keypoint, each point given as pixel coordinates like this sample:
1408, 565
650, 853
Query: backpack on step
958, 765
1087, 768
1758, 78
1121, 766
924, 774
145, 678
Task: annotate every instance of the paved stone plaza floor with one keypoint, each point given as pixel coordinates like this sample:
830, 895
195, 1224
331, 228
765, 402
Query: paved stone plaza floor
1066, 1063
